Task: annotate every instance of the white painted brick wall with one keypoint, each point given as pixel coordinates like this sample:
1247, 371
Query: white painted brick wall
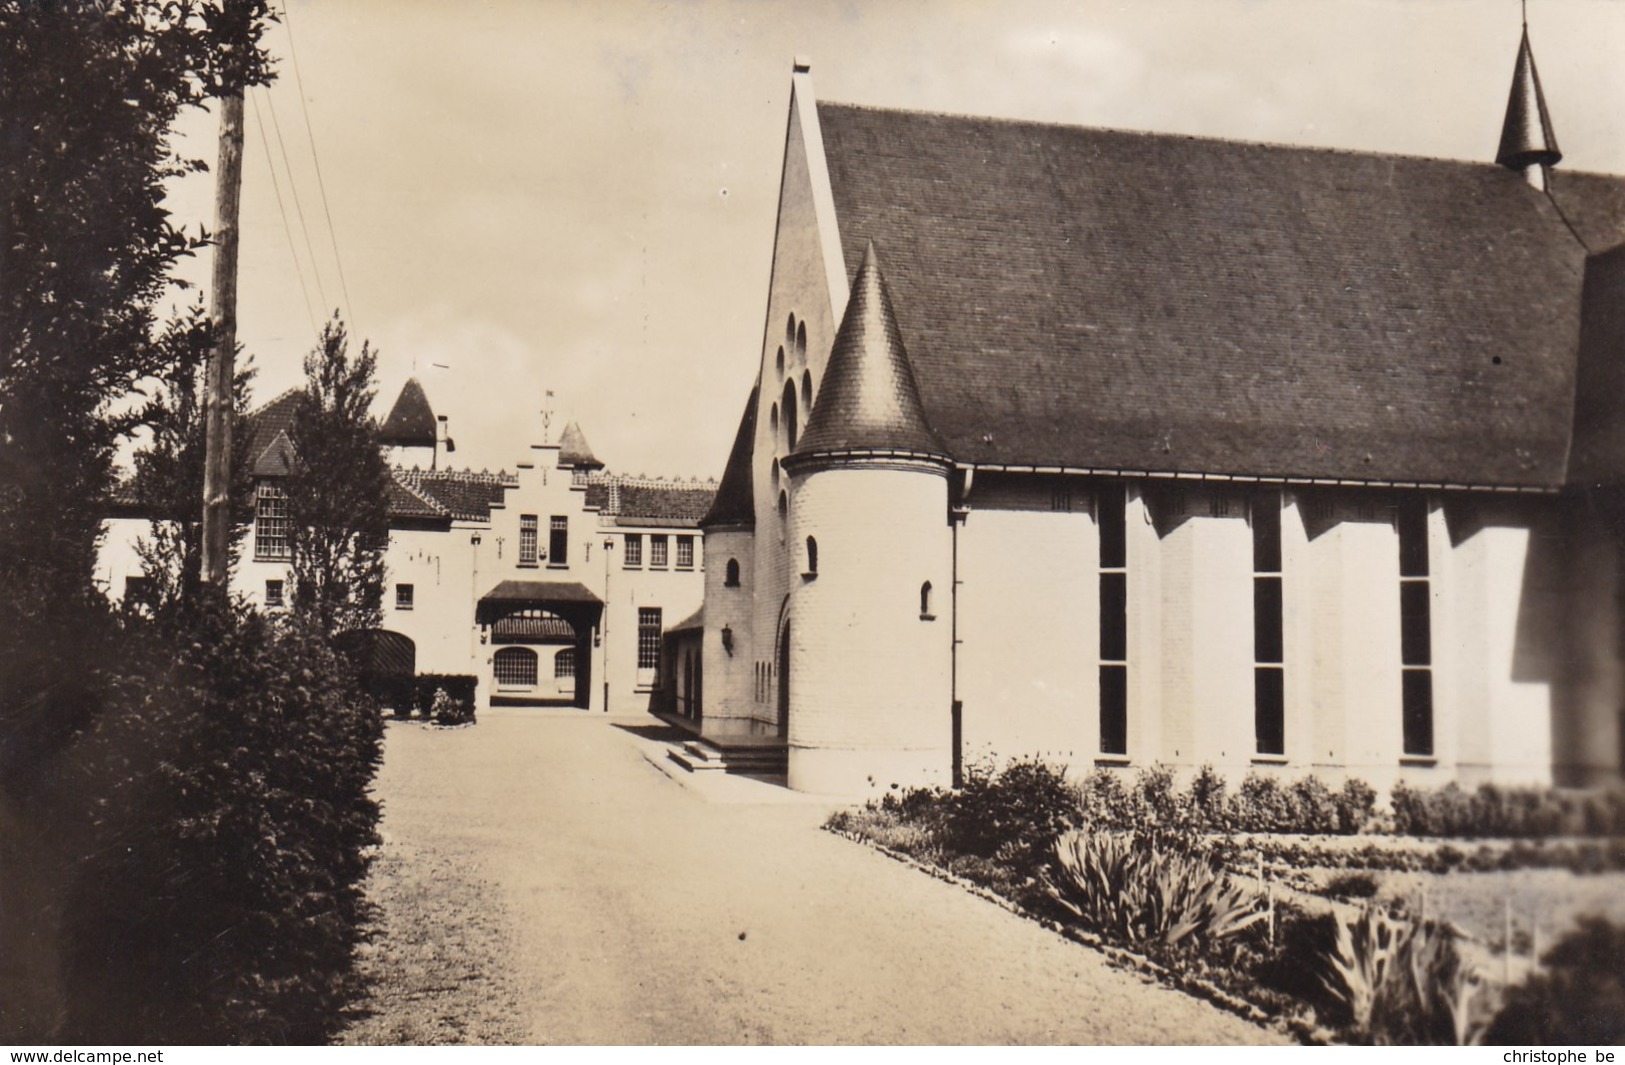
869, 682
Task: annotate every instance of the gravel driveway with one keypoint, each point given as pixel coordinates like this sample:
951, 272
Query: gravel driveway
541, 882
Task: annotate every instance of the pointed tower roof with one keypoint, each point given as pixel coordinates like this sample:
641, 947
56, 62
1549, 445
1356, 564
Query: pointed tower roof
411, 420
575, 451
1526, 135
735, 501
868, 401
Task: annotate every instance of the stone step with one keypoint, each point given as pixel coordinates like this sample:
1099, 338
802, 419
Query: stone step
702, 756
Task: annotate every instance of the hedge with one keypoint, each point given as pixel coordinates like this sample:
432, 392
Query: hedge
213, 829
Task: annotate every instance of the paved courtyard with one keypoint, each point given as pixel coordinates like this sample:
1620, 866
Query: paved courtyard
542, 882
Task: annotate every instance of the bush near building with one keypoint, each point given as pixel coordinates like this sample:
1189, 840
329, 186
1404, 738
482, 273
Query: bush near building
201, 843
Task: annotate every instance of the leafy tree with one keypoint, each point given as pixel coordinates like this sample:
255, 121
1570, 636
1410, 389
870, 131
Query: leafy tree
338, 495
89, 91
168, 480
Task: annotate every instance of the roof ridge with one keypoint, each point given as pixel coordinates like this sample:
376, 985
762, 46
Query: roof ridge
1170, 135
280, 396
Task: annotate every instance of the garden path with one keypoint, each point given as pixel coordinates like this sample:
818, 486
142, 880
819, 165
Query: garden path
542, 882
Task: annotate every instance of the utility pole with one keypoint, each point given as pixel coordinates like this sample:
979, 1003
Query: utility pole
217, 396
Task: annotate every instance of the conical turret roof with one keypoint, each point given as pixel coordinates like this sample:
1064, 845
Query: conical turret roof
575, 451
411, 420
735, 501
1526, 135
868, 400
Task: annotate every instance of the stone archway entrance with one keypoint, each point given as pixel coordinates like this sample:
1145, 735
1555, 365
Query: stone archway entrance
553, 619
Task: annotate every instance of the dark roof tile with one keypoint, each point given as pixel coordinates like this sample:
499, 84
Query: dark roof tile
1100, 299
411, 420
868, 400
735, 501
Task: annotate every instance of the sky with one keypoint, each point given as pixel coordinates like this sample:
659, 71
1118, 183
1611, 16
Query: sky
514, 197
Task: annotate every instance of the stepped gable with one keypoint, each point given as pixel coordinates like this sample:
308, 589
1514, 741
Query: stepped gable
1116, 301
735, 501
411, 421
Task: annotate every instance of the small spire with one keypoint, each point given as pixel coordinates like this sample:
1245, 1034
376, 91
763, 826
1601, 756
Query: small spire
574, 449
1527, 139
411, 421
869, 400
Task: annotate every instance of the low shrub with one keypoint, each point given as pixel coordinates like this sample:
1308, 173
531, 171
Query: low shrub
1578, 1000
1494, 811
1134, 893
1402, 983
1352, 885
217, 892
1013, 815
1356, 803
449, 712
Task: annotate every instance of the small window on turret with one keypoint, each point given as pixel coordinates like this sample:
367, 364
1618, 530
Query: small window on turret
926, 613
732, 579
812, 558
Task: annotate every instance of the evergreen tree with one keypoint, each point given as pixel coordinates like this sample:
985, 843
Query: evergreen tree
338, 495
168, 480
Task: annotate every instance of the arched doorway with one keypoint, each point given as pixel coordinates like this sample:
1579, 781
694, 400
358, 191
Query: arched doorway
784, 681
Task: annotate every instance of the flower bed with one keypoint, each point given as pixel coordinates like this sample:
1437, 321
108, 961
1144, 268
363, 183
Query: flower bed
1269, 895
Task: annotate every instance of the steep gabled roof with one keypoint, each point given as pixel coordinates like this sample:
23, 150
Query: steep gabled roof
735, 501
276, 459
267, 423
1097, 299
868, 401
411, 420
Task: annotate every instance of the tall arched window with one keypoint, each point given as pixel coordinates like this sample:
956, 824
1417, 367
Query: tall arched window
806, 396
812, 557
790, 332
801, 338
779, 362
925, 601
732, 579
789, 406
514, 667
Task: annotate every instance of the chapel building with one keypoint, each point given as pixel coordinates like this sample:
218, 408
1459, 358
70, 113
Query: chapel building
1121, 449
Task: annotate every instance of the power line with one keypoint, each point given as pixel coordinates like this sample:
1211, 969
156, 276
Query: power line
321, 186
298, 207
293, 249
